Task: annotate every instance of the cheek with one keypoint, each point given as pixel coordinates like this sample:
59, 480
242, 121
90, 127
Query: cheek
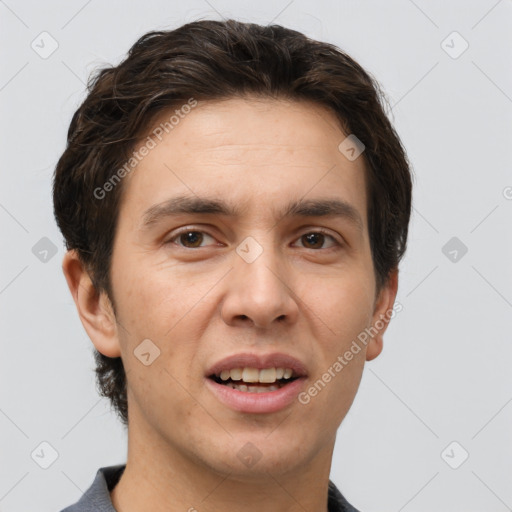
156, 394
151, 300
345, 308
165, 306
330, 394
343, 305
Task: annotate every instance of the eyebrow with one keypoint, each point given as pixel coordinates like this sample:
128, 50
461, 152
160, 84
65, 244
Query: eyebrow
186, 205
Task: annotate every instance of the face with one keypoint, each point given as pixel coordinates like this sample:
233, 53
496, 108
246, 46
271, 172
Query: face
248, 278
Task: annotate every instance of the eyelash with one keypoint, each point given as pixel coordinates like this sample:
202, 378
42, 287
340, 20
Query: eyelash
316, 231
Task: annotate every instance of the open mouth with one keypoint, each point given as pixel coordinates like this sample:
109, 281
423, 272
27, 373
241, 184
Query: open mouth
254, 380
253, 385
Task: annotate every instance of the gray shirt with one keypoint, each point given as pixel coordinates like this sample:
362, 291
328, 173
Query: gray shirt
97, 497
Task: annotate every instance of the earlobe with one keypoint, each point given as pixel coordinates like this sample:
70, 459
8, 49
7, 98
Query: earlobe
382, 316
94, 308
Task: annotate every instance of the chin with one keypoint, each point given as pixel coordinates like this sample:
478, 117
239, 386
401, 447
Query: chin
250, 457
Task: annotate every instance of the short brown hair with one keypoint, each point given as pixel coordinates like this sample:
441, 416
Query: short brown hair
210, 60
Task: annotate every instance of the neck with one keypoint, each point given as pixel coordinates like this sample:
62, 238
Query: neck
160, 477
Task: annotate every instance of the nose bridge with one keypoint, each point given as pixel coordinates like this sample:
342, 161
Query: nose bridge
258, 289
258, 262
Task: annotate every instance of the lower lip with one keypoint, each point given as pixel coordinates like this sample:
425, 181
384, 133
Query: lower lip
267, 401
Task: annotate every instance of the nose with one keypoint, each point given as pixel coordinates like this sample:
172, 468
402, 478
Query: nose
260, 293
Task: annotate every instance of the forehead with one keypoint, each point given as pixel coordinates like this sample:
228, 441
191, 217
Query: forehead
246, 148
258, 122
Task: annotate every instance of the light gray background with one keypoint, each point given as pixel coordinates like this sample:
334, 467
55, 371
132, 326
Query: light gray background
444, 374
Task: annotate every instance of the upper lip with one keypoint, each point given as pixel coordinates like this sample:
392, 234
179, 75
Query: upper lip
260, 361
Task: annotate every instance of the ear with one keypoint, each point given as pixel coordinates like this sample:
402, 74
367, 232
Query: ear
382, 315
95, 309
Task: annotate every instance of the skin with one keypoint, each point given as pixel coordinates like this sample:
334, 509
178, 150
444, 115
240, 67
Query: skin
200, 304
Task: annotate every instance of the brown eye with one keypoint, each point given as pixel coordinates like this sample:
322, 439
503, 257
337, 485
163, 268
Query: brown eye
190, 239
194, 238
316, 239
313, 240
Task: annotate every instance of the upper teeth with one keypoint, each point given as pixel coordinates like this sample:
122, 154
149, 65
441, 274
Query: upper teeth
267, 375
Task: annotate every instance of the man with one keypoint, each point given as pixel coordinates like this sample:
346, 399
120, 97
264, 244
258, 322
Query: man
235, 204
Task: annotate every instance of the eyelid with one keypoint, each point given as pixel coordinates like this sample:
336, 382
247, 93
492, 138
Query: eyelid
306, 231
187, 229
323, 231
